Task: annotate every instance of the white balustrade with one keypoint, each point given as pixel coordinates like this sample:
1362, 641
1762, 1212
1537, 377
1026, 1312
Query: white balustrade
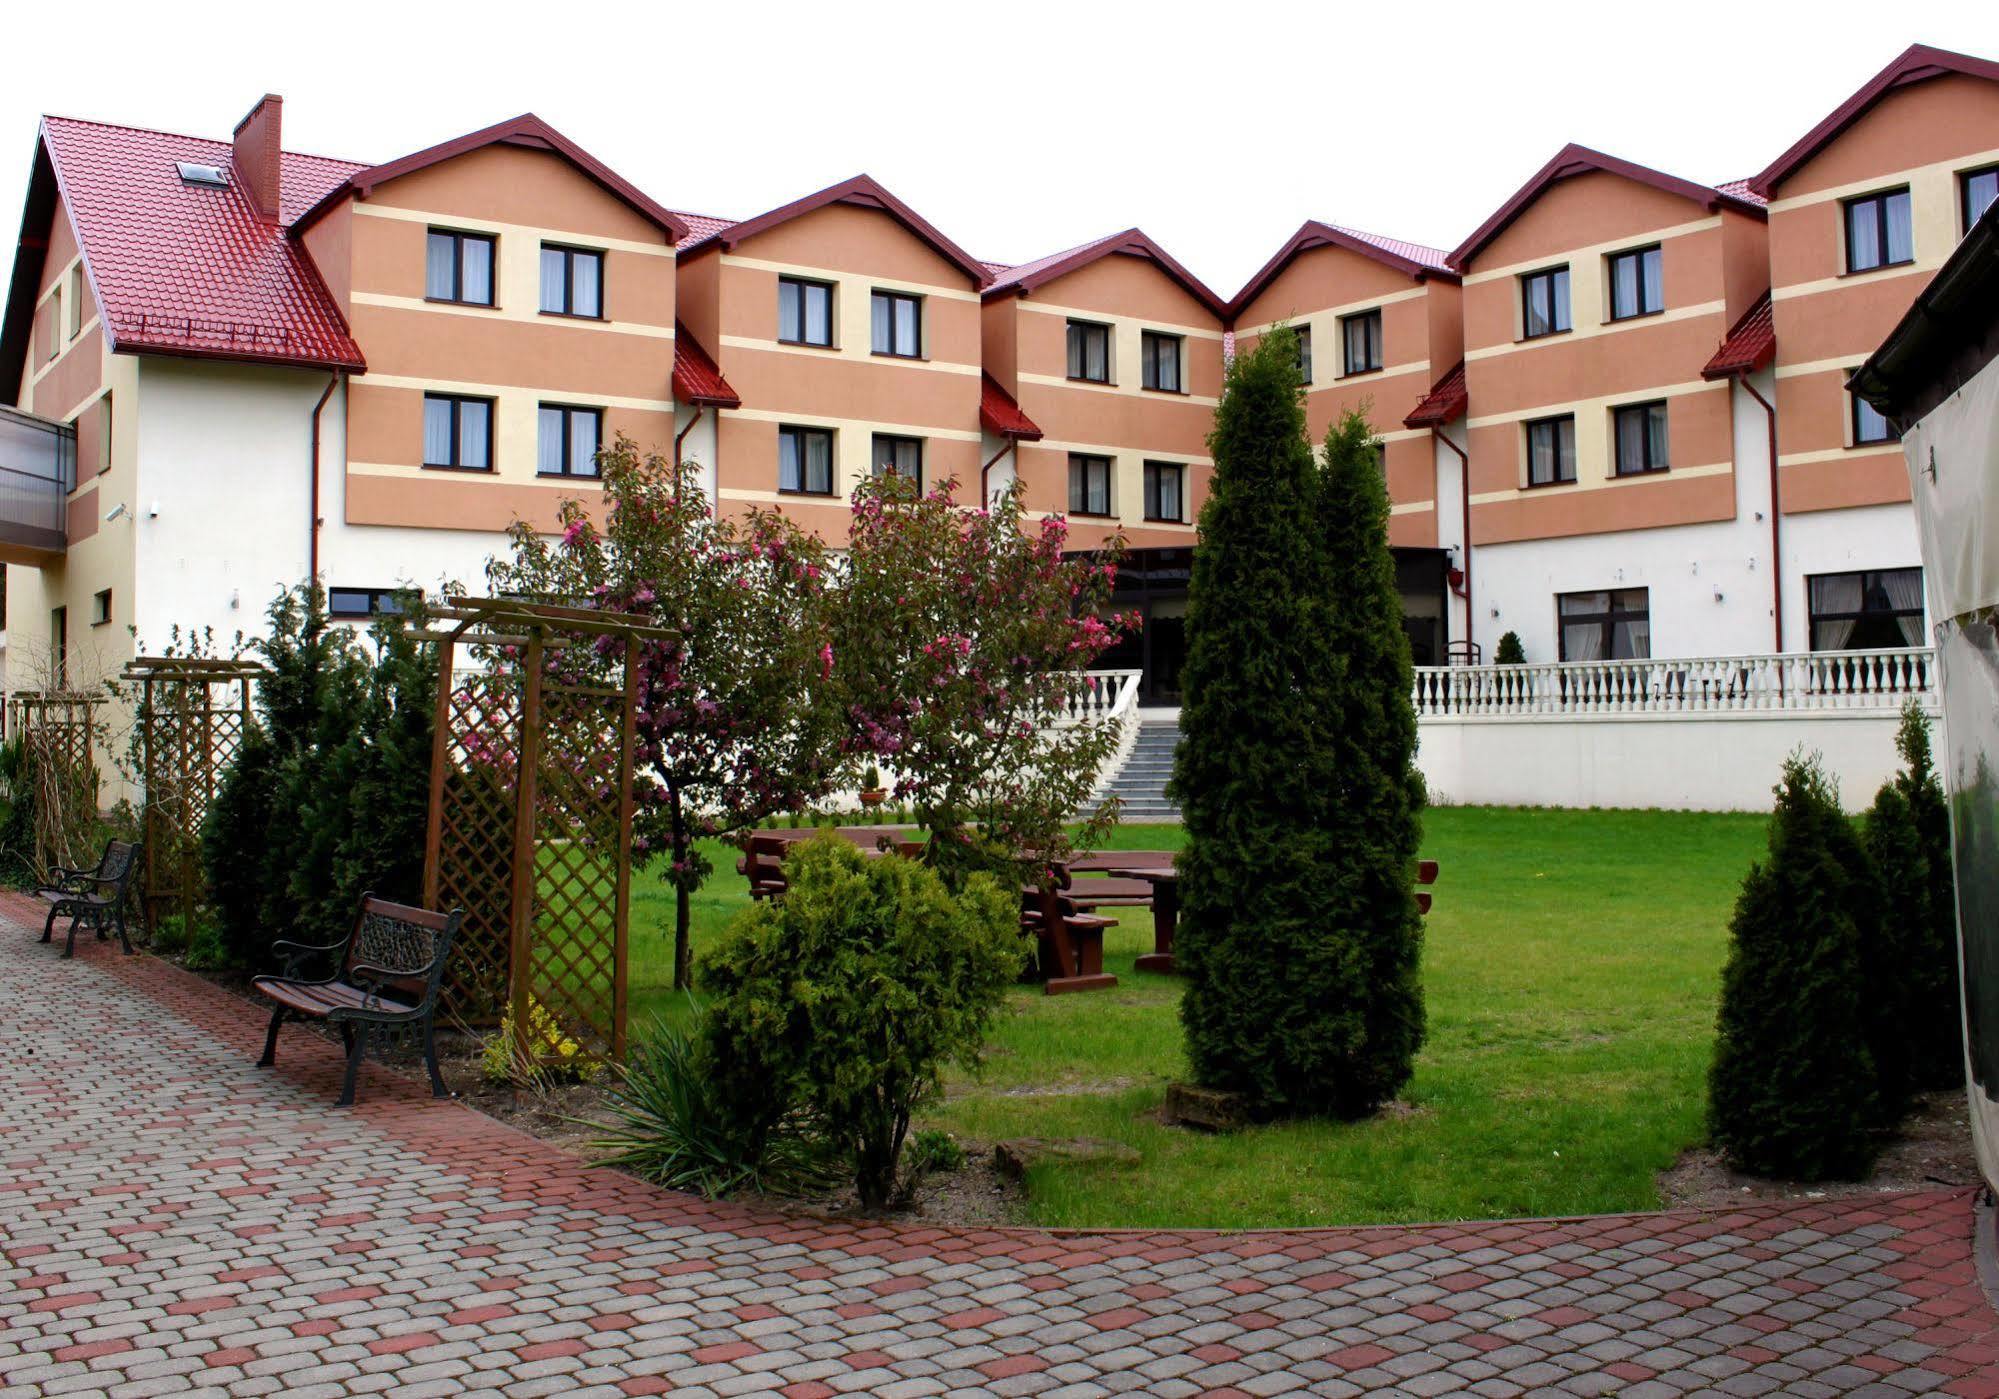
1716, 685
1103, 694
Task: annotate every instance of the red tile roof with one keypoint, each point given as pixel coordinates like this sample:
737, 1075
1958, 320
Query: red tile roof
1000, 415
1445, 402
1573, 160
182, 269
696, 378
1131, 242
1739, 189
700, 227
1415, 259
1750, 343
863, 191
1915, 64
526, 130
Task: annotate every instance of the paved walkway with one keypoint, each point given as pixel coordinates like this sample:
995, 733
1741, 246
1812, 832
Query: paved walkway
174, 1221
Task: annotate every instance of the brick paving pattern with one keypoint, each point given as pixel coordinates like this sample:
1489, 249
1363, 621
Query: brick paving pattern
173, 1220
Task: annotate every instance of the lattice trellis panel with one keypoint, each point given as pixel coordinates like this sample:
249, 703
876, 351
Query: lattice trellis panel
59, 734
471, 864
192, 717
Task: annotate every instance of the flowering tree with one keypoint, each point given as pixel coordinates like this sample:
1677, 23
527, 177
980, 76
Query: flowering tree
963, 636
737, 718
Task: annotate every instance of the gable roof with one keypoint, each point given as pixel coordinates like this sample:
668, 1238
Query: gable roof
1445, 402
1028, 276
1917, 63
1750, 343
862, 191
527, 130
696, 377
177, 269
1412, 259
1572, 160
700, 227
1000, 415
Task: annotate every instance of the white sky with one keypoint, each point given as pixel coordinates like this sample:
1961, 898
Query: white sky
1018, 129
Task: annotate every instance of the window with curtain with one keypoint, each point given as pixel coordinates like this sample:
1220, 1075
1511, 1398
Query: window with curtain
572, 281
897, 323
1878, 233
1868, 424
1544, 303
805, 460
459, 267
1610, 625
1866, 610
1551, 451
1977, 189
568, 440
1159, 360
1639, 432
1360, 336
1090, 352
1165, 491
1305, 353
899, 456
804, 312
1637, 287
457, 432
1089, 484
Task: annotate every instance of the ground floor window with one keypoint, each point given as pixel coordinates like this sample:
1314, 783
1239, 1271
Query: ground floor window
359, 603
1867, 609
1612, 625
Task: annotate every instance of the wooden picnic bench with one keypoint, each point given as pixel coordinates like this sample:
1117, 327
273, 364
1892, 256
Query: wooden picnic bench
762, 860
93, 898
385, 978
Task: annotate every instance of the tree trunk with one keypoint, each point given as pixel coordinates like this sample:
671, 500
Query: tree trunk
683, 958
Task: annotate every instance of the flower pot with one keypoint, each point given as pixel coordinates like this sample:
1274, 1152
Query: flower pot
874, 797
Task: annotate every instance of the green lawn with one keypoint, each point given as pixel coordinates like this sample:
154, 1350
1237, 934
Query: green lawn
1571, 962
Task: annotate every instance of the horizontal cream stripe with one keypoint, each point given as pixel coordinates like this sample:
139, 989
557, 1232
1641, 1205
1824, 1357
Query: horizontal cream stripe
1866, 449
1059, 381
1098, 449
1313, 313
763, 415
518, 316
825, 352
1887, 180
469, 225
1589, 250
1046, 308
1580, 406
1843, 364
1415, 507
1922, 267
1719, 468
506, 391
544, 483
1590, 332
828, 274
1361, 381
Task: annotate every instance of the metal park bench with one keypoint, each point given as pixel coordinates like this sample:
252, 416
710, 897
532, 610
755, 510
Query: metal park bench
92, 898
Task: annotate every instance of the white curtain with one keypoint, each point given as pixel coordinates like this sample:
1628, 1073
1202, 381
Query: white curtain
1834, 592
1904, 587
1582, 641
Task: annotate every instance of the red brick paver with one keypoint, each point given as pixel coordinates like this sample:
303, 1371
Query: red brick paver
421, 1248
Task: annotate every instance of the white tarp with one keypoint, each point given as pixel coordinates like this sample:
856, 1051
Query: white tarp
1954, 475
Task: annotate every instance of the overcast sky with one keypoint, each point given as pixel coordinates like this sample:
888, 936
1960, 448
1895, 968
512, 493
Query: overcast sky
1018, 129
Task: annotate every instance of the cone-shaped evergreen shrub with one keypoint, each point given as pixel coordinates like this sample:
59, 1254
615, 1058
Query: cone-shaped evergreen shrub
1909, 836
1792, 1091
1276, 933
1510, 651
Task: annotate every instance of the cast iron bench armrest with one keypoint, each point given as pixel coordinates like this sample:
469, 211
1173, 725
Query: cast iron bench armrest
293, 955
372, 972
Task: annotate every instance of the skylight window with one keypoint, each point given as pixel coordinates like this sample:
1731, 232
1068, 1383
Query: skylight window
210, 175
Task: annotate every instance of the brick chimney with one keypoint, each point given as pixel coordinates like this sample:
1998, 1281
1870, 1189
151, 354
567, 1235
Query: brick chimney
258, 143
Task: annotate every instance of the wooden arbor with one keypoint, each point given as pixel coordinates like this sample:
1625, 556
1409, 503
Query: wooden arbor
59, 731
192, 715
531, 818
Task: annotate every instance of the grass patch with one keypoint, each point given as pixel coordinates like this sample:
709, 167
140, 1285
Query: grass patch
1572, 965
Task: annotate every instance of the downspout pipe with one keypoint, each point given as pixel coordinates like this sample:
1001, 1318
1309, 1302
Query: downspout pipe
1776, 519
312, 506
1464, 504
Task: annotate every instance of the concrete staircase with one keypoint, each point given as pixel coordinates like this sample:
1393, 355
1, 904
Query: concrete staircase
1141, 781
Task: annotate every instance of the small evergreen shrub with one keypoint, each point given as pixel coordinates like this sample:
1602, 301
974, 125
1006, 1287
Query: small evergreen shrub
1935, 1011
1793, 1090
1509, 650
846, 1000
935, 1151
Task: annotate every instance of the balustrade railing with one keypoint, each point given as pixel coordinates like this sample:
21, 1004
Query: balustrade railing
1104, 694
1719, 685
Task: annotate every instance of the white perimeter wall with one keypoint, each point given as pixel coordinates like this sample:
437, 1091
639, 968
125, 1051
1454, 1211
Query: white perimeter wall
1677, 762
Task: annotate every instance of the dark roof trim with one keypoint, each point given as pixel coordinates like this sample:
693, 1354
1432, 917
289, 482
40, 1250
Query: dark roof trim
1946, 338
1579, 160
863, 191
17, 329
1915, 64
1131, 243
526, 130
1313, 234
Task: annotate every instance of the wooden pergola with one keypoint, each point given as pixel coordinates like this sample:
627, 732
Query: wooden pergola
530, 828
59, 730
